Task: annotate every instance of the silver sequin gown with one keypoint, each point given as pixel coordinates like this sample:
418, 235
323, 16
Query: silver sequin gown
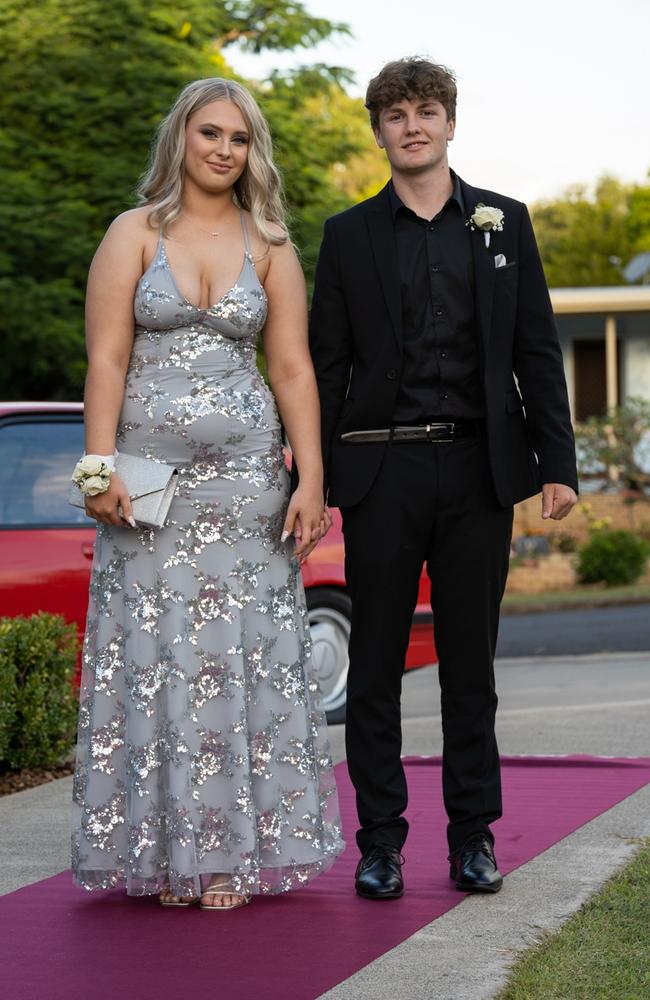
201, 745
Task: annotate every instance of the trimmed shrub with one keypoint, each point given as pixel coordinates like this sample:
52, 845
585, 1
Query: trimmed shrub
615, 557
7, 703
37, 664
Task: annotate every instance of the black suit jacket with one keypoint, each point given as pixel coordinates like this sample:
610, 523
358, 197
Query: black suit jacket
356, 344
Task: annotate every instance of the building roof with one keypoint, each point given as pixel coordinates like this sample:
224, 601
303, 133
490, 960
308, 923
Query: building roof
610, 299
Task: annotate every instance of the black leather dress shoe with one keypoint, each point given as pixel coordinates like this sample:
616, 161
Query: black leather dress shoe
379, 874
473, 868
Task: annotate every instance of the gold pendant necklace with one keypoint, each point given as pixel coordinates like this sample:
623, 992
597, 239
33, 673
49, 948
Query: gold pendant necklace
207, 232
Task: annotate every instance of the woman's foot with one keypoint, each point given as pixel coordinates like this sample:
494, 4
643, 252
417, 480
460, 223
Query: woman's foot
166, 898
219, 895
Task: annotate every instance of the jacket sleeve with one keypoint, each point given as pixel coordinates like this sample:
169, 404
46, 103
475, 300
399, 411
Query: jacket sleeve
539, 368
330, 343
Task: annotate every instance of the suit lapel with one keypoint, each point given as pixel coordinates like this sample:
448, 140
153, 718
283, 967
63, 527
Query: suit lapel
484, 270
384, 249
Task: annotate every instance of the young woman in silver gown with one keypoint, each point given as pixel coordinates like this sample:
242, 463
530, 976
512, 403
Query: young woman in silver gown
203, 768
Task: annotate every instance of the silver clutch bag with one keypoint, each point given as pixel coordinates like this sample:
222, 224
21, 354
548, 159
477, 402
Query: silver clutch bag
151, 487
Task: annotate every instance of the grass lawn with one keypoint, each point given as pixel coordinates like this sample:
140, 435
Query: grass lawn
601, 953
577, 597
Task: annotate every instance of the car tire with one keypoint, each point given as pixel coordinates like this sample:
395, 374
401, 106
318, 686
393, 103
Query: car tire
329, 612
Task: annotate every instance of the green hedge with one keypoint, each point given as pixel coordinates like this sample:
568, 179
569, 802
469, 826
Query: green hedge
7, 703
615, 557
38, 700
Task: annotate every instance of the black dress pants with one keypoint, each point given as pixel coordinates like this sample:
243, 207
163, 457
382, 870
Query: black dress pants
433, 504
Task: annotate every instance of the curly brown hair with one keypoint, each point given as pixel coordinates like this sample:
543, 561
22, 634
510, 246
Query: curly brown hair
405, 79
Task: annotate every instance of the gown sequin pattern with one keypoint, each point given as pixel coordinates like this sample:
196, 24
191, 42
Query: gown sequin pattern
202, 748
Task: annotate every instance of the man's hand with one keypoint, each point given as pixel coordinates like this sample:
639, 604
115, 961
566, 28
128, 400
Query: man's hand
557, 501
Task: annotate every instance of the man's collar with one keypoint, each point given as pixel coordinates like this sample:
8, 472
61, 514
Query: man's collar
458, 192
457, 195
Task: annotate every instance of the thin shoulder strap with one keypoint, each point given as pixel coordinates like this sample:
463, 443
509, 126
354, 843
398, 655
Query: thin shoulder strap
247, 244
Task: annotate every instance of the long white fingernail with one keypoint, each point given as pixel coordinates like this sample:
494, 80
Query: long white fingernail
284, 536
131, 521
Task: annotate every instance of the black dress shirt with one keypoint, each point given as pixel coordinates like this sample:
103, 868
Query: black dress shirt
440, 374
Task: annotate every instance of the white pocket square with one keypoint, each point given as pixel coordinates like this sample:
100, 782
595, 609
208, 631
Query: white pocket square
499, 260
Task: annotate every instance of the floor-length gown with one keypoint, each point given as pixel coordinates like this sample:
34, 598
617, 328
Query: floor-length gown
201, 748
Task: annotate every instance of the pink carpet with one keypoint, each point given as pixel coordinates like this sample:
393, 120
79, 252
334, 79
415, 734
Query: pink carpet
61, 943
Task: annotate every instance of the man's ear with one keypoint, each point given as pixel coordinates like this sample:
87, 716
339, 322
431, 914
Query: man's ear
378, 138
451, 129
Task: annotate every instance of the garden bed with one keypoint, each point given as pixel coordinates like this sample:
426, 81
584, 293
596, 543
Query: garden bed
18, 781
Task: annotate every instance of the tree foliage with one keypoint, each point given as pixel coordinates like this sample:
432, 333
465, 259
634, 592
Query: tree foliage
361, 175
585, 240
307, 144
84, 85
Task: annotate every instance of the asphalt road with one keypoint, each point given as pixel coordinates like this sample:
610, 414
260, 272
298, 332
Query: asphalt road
623, 629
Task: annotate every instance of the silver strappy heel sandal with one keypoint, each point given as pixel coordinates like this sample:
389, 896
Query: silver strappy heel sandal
223, 886
180, 903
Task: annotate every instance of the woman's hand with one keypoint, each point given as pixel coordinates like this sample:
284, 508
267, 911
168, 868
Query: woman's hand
104, 506
308, 519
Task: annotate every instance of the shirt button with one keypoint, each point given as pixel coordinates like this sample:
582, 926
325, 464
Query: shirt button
431, 228
443, 354
435, 268
445, 395
438, 312
391, 374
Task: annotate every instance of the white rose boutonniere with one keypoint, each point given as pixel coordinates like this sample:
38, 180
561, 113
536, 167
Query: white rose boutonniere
487, 219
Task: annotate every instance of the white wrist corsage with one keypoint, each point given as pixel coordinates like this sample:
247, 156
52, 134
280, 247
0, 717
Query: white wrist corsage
92, 474
487, 219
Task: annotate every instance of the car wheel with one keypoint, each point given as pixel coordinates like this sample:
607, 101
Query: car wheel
329, 613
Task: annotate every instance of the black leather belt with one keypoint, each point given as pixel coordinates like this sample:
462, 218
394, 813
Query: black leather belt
443, 432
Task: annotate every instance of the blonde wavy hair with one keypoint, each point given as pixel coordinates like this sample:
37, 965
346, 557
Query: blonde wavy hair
258, 190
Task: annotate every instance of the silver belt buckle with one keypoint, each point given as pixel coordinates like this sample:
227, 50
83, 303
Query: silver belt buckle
448, 427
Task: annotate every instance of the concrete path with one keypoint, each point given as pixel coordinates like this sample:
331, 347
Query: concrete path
595, 704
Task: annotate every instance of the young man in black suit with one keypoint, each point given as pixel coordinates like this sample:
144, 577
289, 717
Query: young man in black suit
443, 403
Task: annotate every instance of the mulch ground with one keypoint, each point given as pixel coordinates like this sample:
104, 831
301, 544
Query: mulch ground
18, 781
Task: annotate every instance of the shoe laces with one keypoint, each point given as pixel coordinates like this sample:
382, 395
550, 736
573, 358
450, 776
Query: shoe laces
476, 842
380, 851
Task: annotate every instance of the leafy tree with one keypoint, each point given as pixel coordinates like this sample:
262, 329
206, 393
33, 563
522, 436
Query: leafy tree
587, 239
84, 84
308, 142
639, 219
363, 174
583, 240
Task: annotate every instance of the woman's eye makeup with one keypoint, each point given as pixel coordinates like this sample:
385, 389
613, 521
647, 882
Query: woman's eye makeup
210, 133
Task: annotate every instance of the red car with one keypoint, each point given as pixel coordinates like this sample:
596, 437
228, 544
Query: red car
47, 545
